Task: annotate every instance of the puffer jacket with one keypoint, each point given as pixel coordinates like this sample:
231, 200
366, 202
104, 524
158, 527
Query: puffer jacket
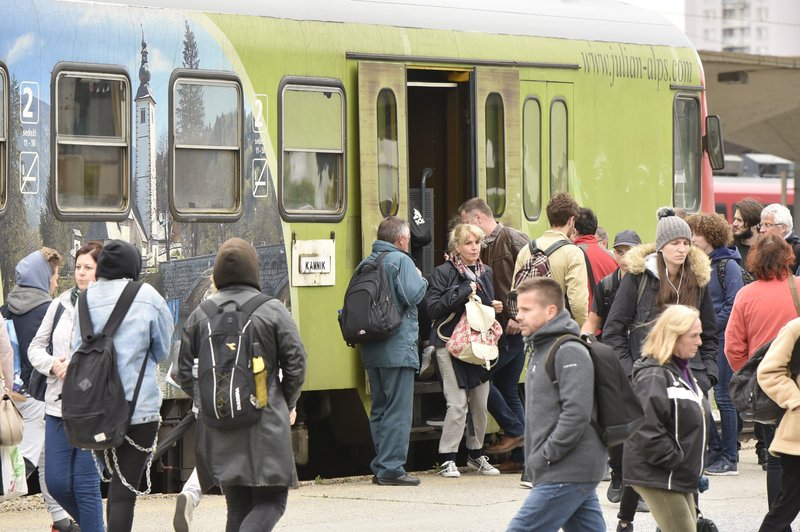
408, 288
667, 450
261, 454
774, 378
629, 321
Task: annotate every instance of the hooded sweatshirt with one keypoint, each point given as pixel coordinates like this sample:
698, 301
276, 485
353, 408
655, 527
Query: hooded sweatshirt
560, 443
27, 304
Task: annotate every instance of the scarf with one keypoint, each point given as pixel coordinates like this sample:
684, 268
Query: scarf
465, 270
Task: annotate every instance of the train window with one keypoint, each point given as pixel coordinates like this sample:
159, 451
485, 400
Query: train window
532, 158
495, 154
3, 136
559, 156
207, 134
312, 150
92, 142
388, 155
686, 153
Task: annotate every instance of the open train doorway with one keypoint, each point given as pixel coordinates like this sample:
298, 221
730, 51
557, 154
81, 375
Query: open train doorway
440, 138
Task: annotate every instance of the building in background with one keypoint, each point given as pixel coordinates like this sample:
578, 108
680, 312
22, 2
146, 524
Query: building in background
759, 27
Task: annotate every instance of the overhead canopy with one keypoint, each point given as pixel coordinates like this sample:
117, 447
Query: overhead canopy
757, 99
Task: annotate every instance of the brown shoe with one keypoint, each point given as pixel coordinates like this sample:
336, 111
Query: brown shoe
506, 443
510, 467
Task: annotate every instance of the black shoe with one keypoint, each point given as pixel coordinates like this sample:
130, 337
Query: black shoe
641, 506
614, 493
436, 421
374, 479
763, 455
403, 480
625, 526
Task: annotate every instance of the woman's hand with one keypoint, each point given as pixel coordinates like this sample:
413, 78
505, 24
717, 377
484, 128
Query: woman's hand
59, 368
292, 416
497, 306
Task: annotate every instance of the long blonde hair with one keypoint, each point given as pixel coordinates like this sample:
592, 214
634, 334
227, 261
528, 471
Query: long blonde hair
673, 322
461, 234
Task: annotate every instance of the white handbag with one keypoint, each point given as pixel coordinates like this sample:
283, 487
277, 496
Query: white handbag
474, 340
10, 422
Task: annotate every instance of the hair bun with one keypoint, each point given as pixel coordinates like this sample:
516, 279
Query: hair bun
663, 212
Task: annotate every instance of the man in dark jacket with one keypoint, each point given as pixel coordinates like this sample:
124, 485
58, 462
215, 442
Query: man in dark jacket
501, 247
392, 362
254, 464
36, 278
564, 456
746, 217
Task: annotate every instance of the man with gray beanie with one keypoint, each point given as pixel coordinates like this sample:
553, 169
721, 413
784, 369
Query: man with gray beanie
253, 464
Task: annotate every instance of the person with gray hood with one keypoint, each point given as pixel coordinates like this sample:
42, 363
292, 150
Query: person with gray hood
253, 464
564, 456
36, 276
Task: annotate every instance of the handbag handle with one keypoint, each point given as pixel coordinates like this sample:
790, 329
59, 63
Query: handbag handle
795, 297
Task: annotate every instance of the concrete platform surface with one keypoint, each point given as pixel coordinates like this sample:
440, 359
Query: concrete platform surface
735, 503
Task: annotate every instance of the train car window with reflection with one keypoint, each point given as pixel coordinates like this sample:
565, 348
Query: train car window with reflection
559, 154
3, 138
495, 154
532, 158
207, 147
92, 142
388, 156
312, 150
686, 153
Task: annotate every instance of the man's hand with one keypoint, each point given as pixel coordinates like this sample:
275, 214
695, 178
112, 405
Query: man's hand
513, 327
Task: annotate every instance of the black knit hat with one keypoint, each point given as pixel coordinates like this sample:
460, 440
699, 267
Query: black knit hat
237, 263
119, 260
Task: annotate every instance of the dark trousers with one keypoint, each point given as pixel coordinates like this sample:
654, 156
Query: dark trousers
774, 469
787, 503
724, 444
390, 418
504, 403
72, 478
629, 499
121, 500
254, 509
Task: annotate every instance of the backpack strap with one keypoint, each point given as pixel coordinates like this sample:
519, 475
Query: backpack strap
592, 282
550, 360
722, 265
56, 318
117, 315
253, 303
643, 282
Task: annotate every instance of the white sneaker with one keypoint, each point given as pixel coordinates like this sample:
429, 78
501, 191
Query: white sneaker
482, 466
426, 369
449, 469
184, 506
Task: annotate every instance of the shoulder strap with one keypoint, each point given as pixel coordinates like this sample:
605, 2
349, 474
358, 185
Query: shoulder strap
82, 308
642, 286
555, 246
56, 318
121, 308
549, 362
533, 247
795, 298
592, 282
209, 307
253, 303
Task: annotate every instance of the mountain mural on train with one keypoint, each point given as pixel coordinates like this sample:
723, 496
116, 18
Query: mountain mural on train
109, 73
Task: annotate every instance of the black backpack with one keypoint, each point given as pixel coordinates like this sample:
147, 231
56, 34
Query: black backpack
369, 313
226, 383
722, 266
749, 399
93, 406
619, 411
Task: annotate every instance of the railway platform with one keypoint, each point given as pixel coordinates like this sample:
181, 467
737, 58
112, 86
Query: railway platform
735, 503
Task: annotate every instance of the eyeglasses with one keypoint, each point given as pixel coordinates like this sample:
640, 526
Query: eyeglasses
767, 225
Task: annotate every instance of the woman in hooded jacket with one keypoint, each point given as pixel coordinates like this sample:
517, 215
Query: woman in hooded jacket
712, 234
669, 272
465, 386
664, 458
253, 464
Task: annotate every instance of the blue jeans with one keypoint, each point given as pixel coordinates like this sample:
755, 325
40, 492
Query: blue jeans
72, 478
390, 419
504, 403
726, 444
571, 507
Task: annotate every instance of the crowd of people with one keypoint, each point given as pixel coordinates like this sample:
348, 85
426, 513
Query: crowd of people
682, 313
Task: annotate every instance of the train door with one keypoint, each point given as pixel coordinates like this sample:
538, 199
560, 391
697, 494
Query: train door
560, 141
497, 134
383, 145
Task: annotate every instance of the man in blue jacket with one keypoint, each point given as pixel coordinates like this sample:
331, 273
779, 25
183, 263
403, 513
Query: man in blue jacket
564, 456
391, 363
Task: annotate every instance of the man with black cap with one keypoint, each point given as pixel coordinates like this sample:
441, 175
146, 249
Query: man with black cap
253, 464
146, 331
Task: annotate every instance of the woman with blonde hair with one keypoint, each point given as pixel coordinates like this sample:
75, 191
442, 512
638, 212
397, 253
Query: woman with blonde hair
663, 460
465, 386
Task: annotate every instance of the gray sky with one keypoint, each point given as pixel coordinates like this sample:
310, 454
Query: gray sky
672, 10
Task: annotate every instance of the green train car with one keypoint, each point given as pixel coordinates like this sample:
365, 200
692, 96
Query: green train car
300, 125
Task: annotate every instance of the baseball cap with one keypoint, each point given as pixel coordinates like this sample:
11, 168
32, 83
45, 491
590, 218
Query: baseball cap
627, 238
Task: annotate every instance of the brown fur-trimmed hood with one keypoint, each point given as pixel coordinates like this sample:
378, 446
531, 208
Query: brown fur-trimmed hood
643, 258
